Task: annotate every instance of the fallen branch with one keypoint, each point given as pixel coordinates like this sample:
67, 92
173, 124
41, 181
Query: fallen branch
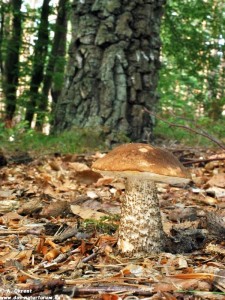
206, 135
78, 291
205, 160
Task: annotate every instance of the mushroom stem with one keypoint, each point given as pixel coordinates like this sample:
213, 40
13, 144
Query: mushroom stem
140, 230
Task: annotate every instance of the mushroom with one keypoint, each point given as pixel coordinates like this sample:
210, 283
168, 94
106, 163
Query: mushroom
140, 230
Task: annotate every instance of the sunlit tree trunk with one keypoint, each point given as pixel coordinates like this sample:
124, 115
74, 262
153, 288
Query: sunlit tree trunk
39, 58
113, 68
56, 62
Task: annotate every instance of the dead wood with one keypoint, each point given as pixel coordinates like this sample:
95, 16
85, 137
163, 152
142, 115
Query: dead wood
204, 160
104, 289
188, 128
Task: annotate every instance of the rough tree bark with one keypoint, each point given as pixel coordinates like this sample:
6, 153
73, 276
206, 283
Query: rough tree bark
113, 67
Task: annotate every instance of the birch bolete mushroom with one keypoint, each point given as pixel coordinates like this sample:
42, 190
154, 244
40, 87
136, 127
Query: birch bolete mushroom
142, 165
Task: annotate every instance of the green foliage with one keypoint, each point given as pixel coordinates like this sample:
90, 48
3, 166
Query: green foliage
192, 75
201, 124
73, 141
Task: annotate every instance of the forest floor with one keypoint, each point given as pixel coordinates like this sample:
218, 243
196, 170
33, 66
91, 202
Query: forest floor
58, 231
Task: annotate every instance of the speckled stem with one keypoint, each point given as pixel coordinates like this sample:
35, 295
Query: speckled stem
140, 229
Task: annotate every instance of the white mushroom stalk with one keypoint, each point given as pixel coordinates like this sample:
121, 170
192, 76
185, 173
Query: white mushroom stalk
140, 230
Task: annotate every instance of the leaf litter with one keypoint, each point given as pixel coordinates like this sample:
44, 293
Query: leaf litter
58, 232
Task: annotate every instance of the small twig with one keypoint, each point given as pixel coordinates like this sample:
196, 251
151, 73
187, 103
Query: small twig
77, 291
91, 256
9, 232
194, 161
206, 135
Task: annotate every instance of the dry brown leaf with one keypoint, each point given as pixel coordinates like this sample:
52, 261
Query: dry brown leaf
78, 167
56, 209
22, 278
175, 284
110, 297
219, 192
207, 200
30, 207
6, 194
168, 296
54, 164
22, 256
10, 216
212, 165
112, 207
104, 181
52, 254
92, 195
51, 243
66, 248
217, 180
135, 270
106, 240
86, 213
87, 176
40, 245
213, 248
8, 206
92, 204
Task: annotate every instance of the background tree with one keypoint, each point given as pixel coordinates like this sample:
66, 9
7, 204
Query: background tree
56, 61
3, 14
192, 76
113, 67
59, 67
10, 67
114, 57
39, 59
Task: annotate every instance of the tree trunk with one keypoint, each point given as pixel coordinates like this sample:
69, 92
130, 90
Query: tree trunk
40, 53
3, 13
11, 68
113, 68
56, 60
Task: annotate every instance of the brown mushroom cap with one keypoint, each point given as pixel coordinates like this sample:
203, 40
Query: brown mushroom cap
142, 160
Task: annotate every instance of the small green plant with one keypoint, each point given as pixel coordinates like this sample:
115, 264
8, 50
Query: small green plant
107, 225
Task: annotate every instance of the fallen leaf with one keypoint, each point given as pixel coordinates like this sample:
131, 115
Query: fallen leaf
92, 195
218, 192
6, 194
110, 297
56, 209
52, 254
10, 216
86, 213
8, 205
78, 167
87, 176
54, 164
104, 181
22, 256
217, 180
